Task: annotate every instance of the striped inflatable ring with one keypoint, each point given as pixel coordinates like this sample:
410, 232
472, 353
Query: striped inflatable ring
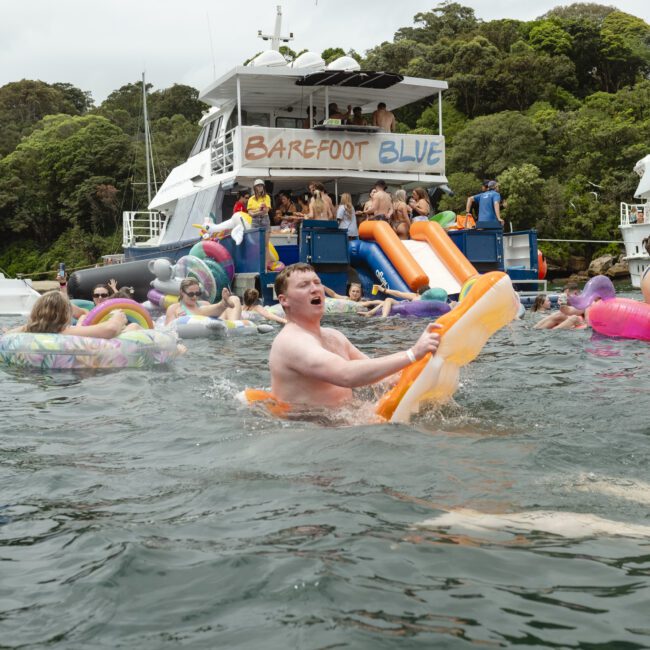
220, 276
134, 312
193, 267
210, 249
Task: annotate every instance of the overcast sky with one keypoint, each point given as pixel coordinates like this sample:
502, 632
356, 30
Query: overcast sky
100, 46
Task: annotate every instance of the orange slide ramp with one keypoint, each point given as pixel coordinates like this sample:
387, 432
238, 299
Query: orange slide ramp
441, 253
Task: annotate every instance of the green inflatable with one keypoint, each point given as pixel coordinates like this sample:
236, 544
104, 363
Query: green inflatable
445, 218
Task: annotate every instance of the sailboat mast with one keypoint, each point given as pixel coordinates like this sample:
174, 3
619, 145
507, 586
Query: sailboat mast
147, 138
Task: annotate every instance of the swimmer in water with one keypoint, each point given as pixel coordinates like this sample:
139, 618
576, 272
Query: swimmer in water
317, 366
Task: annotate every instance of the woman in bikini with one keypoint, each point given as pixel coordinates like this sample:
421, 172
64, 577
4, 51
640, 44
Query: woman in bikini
228, 308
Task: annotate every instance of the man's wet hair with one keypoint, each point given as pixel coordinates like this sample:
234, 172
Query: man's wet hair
282, 279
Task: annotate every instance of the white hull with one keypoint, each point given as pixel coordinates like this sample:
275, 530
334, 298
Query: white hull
633, 235
16, 297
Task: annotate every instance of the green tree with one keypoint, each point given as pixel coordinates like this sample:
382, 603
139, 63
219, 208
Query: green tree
548, 37
176, 100
24, 103
502, 33
625, 50
331, 53
453, 121
491, 143
522, 187
447, 20
124, 107
52, 179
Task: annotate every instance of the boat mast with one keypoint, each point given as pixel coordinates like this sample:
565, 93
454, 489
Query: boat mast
147, 144
276, 37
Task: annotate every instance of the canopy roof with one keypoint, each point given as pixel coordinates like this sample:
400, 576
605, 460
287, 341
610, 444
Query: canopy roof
273, 88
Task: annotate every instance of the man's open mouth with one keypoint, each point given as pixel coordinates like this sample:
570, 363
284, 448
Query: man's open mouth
316, 301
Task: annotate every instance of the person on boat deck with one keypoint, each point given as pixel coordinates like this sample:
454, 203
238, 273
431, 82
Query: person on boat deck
330, 212
303, 205
346, 216
542, 303
52, 314
384, 119
317, 366
489, 204
382, 203
400, 221
228, 308
335, 114
420, 205
253, 308
357, 117
259, 208
242, 201
308, 122
362, 215
285, 211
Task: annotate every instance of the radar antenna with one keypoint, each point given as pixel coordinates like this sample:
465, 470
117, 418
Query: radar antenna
276, 37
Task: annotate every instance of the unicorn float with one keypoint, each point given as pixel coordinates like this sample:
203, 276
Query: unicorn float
236, 226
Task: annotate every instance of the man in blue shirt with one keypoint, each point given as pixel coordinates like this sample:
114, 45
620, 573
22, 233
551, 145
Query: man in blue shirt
488, 204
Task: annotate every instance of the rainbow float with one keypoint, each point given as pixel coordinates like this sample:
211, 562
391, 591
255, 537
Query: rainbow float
489, 305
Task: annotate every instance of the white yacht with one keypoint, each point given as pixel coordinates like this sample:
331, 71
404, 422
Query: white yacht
256, 129
635, 225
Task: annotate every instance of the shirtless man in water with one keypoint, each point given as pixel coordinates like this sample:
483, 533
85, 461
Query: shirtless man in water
318, 366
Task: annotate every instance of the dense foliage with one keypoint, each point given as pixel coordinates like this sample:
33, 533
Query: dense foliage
556, 109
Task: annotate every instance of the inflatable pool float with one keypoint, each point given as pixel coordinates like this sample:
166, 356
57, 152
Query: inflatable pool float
445, 218
193, 267
490, 305
621, 318
195, 327
134, 349
419, 308
332, 306
209, 249
600, 287
134, 312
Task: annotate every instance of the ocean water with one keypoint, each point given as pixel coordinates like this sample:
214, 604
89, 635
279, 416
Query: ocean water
149, 509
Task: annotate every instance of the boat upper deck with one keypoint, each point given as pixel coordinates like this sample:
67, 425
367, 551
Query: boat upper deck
266, 89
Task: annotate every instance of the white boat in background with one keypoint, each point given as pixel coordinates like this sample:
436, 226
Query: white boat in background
254, 129
635, 225
17, 297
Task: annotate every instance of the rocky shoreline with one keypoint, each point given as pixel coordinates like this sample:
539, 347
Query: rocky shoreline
579, 269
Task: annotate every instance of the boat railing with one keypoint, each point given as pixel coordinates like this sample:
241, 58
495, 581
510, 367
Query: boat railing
634, 213
143, 228
327, 148
222, 155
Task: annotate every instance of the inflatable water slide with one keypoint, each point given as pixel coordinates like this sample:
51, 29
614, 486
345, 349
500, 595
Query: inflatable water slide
429, 258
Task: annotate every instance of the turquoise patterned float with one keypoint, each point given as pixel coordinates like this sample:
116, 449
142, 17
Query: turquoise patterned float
134, 349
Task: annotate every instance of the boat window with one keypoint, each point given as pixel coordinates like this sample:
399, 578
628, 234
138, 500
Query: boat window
254, 119
288, 122
199, 141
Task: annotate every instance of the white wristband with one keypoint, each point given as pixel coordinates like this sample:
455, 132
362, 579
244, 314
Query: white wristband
410, 355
